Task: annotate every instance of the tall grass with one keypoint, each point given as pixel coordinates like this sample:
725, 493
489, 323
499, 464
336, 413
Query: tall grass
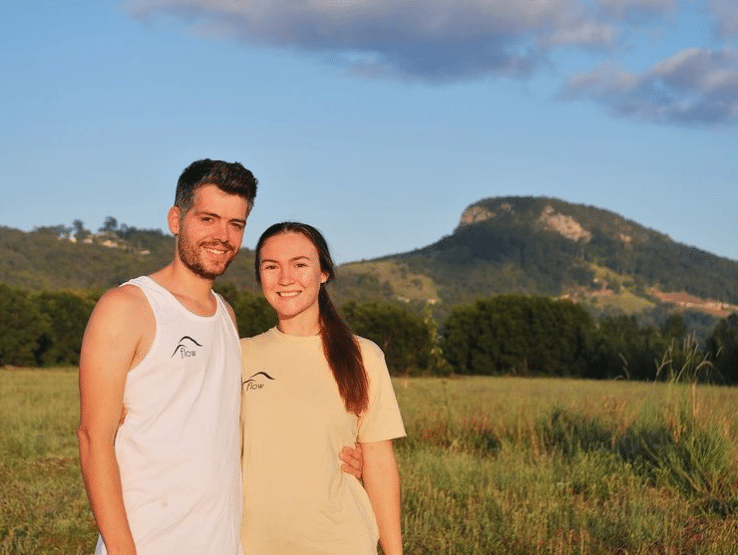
560, 466
43, 507
490, 465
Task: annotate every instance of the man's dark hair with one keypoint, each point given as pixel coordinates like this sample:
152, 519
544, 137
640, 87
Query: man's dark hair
231, 178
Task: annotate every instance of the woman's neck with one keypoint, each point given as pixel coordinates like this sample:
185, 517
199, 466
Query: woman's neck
299, 327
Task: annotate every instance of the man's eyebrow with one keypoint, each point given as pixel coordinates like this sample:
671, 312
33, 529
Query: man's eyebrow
219, 217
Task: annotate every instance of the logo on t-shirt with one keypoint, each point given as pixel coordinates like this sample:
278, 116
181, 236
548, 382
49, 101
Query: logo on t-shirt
257, 381
186, 347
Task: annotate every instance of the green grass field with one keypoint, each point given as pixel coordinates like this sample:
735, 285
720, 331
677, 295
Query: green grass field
490, 465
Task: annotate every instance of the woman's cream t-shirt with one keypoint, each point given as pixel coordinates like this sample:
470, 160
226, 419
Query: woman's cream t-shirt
297, 500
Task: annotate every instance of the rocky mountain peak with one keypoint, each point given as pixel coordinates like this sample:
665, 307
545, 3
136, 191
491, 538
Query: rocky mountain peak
565, 226
475, 214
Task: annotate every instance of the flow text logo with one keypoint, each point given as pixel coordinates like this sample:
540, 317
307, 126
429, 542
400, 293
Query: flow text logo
256, 381
186, 347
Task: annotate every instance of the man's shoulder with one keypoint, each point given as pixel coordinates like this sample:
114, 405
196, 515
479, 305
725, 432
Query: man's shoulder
121, 320
127, 292
126, 300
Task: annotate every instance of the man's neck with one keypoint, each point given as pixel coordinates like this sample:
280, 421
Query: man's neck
193, 291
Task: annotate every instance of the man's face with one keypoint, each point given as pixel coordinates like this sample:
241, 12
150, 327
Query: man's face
210, 234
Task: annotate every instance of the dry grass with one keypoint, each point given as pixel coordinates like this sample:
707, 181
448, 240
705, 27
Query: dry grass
491, 465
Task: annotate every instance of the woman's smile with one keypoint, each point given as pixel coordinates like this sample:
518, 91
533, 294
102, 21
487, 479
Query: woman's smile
291, 277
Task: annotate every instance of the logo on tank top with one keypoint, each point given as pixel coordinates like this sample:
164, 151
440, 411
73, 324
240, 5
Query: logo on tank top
186, 347
257, 381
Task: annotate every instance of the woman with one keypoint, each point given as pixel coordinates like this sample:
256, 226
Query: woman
310, 387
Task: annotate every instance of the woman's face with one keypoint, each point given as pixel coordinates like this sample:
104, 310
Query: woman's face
290, 275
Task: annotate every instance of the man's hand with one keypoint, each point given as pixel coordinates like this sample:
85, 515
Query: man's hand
353, 460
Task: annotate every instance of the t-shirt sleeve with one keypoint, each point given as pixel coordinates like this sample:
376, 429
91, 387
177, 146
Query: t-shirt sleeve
382, 420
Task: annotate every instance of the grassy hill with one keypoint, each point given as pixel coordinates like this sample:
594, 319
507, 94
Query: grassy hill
41, 261
532, 245
547, 246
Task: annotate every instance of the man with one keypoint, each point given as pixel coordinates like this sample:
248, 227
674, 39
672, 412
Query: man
163, 351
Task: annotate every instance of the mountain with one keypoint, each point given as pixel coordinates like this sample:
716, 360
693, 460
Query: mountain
532, 245
549, 246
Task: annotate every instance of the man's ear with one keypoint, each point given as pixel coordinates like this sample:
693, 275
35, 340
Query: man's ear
173, 219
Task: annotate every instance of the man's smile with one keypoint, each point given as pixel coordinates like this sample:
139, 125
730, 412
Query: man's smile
217, 250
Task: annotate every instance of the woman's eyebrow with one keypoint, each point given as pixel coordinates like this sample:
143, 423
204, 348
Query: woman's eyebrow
301, 257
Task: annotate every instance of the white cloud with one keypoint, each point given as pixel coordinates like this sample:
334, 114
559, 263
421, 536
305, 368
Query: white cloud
696, 86
624, 8
433, 40
726, 14
440, 41
587, 35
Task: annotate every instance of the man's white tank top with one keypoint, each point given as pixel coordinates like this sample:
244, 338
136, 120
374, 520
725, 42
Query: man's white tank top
179, 447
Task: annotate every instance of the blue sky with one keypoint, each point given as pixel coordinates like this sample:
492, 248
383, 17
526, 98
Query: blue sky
377, 121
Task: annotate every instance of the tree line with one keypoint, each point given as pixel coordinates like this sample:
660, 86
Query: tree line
499, 335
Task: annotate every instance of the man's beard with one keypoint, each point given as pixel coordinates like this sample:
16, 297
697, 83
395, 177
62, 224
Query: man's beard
189, 254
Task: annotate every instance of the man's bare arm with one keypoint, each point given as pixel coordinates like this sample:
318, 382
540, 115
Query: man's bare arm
111, 346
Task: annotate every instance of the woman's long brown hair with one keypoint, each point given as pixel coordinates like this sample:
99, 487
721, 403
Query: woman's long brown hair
340, 346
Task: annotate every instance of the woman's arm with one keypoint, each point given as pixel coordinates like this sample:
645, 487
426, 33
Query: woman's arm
382, 483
